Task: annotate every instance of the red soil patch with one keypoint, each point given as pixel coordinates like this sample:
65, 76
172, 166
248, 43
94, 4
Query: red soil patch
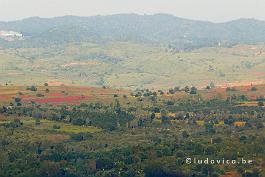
241, 83
26, 96
55, 83
231, 174
3, 118
81, 88
245, 88
253, 97
56, 95
259, 74
5, 97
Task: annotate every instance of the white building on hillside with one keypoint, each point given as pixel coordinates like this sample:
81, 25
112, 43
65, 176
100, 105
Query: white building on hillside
11, 35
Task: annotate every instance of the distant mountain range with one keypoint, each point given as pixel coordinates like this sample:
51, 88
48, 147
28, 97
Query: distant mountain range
156, 29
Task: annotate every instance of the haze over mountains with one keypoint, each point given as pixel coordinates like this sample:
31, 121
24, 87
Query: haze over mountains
156, 29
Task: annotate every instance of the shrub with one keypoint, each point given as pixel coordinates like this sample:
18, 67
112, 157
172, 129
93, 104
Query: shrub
254, 89
77, 137
78, 121
39, 95
260, 103
56, 127
32, 88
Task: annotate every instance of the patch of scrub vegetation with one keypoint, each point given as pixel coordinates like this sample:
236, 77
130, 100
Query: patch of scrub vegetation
128, 64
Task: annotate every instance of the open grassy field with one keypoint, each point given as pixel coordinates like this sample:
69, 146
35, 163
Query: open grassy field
47, 125
132, 65
45, 130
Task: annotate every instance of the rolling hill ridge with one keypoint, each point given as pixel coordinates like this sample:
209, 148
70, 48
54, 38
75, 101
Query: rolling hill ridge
158, 29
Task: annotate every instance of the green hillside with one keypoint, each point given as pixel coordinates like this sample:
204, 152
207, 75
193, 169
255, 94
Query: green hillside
131, 65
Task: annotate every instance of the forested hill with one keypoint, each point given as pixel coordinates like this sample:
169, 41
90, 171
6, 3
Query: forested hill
159, 28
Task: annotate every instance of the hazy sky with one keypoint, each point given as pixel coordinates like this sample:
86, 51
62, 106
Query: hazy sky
211, 10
